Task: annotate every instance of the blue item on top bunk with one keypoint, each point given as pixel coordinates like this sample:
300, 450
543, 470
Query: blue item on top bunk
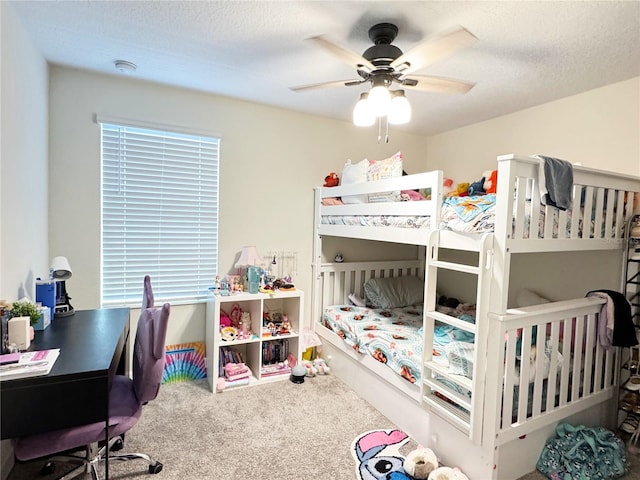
468, 208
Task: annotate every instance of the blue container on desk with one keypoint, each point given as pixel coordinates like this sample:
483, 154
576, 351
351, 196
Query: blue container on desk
46, 294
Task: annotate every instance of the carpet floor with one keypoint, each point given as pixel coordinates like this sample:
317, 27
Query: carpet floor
275, 431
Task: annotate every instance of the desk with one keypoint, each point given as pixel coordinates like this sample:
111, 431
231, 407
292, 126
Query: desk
76, 391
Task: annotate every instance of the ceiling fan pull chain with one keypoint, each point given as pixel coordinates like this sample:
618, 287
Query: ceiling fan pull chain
386, 136
379, 129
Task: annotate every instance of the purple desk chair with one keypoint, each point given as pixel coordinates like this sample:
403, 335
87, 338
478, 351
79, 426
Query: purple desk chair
126, 399
147, 295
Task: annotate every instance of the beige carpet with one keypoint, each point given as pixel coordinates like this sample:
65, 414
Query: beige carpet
277, 431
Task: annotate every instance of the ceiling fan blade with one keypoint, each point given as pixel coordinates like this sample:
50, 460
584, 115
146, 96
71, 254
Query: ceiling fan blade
348, 56
432, 50
336, 83
429, 83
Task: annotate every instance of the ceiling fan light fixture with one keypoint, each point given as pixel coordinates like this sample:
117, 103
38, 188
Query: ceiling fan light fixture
399, 109
379, 100
362, 114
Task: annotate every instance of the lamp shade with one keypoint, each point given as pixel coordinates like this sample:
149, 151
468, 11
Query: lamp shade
248, 257
379, 100
400, 109
60, 268
362, 114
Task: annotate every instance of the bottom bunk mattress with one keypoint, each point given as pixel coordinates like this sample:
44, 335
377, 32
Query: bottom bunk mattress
392, 336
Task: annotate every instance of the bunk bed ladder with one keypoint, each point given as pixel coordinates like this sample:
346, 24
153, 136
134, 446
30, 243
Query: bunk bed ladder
457, 398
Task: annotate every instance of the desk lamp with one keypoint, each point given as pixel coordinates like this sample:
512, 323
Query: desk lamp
249, 262
60, 272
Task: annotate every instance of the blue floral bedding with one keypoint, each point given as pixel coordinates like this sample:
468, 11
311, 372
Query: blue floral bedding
391, 336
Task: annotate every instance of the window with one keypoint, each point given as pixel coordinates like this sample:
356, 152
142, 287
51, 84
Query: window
159, 213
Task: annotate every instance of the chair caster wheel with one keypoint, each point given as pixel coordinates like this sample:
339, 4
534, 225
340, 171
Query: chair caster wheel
48, 468
117, 445
156, 468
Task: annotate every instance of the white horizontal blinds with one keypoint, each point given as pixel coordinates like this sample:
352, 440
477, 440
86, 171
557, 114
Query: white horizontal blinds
159, 213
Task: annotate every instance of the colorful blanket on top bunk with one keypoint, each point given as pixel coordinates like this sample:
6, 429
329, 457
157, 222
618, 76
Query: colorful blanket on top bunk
471, 214
476, 214
392, 336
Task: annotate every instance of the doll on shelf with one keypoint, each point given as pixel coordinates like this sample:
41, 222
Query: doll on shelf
285, 326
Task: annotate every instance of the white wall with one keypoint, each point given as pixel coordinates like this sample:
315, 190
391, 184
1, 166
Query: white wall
270, 161
599, 128
23, 161
23, 170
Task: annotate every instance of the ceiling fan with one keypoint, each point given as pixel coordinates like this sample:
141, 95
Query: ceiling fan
385, 64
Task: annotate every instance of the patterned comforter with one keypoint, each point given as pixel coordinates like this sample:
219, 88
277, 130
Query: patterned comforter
391, 336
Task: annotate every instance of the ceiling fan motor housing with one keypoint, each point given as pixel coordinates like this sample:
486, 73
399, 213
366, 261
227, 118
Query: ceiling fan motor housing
383, 33
382, 53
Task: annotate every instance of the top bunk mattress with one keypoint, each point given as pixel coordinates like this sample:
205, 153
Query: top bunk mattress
472, 214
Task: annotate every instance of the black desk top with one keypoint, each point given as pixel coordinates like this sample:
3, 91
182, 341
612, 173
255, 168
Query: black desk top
91, 344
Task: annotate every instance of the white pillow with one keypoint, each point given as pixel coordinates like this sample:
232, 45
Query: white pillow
354, 173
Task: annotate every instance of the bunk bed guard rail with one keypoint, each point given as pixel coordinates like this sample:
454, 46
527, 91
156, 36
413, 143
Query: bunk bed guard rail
569, 371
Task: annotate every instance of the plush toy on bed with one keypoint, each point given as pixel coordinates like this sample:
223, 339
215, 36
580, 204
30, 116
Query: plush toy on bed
331, 180
448, 187
462, 189
476, 188
490, 181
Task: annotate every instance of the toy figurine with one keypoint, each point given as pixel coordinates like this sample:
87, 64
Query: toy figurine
285, 326
331, 180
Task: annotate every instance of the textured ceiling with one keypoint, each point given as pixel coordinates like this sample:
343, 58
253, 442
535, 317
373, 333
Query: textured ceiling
527, 53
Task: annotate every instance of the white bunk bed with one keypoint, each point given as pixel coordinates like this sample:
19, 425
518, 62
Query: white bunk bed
492, 421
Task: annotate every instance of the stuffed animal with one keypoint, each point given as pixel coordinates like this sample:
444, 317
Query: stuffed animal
462, 189
331, 180
311, 370
321, 366
490, 181
476, 188
420, 463
447, 187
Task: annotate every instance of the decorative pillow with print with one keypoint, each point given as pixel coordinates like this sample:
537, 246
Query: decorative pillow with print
382, 169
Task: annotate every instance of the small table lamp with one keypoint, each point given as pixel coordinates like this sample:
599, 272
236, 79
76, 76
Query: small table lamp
249, 260
60, 272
